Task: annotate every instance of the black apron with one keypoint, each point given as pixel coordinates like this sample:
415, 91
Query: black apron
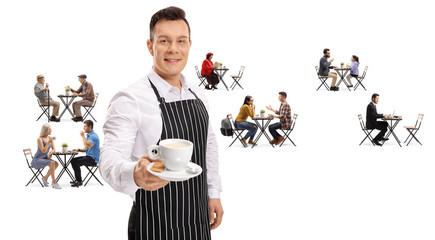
180, 209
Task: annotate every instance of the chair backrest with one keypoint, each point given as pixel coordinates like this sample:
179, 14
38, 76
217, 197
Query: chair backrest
361, 122
230, 117
197, 72
419, 120
317, 72
95, 99
295, 116
28, 151
364, 73
242, 69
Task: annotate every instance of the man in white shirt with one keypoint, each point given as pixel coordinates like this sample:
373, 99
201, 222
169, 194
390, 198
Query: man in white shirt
159, 106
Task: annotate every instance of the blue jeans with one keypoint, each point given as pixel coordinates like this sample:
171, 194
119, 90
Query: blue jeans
252, 129
273, 128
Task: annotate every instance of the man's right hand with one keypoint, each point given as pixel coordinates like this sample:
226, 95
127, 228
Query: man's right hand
145, 179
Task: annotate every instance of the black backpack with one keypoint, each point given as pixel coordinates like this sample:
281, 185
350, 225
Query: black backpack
226, 128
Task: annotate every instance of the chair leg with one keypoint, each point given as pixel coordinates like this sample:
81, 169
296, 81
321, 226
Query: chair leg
412, 134
92, 171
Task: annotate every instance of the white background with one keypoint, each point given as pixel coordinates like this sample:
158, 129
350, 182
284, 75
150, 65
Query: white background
327, 187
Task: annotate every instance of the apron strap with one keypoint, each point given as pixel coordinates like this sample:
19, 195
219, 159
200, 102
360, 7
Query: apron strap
160, 99
194, 94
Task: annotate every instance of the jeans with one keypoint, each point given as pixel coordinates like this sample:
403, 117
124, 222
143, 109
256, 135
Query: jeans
252, 129
81, 161
273, 128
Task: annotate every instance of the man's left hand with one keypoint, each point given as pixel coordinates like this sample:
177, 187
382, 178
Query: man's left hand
216, 212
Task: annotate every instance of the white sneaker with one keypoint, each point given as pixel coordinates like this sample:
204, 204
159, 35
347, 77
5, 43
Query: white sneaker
44, 182
55, 186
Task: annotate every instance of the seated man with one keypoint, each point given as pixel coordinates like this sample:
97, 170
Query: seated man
86, 91
92, 149
324, 67
371, 120
41, 92
284, 115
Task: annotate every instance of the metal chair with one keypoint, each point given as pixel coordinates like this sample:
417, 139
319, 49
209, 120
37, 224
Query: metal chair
45, 108
36, 173
89, 109
91, 173
237, 78
287, 132
414, 129
366, 131
236, 131
200, 77
322, 80
359, 79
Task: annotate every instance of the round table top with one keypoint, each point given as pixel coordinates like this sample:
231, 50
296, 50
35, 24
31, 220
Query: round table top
67, 153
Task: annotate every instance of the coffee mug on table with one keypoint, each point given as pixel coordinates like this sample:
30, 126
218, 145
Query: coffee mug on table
175, 153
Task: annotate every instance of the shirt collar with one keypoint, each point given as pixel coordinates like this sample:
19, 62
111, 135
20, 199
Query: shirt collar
92, 132
163, 86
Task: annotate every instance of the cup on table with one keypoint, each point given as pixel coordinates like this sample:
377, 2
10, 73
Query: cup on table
175, 153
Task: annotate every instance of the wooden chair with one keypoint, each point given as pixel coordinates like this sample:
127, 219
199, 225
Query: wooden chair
366, 131
359, 79
322, 80
287, 132
36, 173
89, 109
414, 129
237, 78
200, 77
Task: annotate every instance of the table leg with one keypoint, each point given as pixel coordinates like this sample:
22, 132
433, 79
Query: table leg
391, 128
69, 104
259, 134
65, 105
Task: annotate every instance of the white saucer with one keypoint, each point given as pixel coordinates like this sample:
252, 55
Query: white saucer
182, 175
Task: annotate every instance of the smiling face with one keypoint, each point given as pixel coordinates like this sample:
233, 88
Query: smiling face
352, 59
170, 48
49, 131
86, 128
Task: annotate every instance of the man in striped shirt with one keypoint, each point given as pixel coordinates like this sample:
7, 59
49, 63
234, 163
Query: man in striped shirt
284, 115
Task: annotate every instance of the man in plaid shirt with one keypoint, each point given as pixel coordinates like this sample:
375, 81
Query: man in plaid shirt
284, 115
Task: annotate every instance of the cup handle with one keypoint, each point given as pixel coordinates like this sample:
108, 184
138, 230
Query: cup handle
153, 152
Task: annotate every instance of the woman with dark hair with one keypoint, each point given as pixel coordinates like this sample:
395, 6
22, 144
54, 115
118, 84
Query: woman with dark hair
353, 69
247, 110
43, 156
208, 73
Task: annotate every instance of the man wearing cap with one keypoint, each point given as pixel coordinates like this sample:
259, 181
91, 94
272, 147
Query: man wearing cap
207, 72
86, 91
42, 93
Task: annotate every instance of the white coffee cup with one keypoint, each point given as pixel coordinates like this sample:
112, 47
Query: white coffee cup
175, 153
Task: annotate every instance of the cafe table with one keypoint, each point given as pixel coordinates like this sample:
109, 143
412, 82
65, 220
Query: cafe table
262, 124
67, 100
342, 72
220, 72
394, 120
65, 161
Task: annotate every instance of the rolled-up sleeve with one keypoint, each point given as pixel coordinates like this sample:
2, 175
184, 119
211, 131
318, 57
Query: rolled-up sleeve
120, 130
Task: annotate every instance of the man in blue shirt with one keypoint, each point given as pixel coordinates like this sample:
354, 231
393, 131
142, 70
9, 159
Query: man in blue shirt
92, 149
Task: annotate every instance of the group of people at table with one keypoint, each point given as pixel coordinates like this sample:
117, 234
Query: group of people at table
46, 150
248, 110
86, 91
325, 65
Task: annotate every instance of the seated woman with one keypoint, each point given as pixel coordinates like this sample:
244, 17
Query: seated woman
353, 69
208, 73
42, 157
247, 110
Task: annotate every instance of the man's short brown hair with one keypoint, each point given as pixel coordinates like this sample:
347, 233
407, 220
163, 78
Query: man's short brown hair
169, 13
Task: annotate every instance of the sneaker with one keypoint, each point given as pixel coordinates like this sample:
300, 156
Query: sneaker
55, 186
44, 182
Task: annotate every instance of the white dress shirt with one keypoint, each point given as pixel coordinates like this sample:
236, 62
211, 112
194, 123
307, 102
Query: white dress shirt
133, 122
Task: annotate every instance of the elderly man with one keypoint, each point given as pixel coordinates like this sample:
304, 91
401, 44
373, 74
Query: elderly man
41, 91
86, 91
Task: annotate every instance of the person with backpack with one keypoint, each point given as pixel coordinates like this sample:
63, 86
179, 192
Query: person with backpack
247, 110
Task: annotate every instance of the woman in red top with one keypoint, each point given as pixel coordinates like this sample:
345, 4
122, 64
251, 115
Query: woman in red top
208, 73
